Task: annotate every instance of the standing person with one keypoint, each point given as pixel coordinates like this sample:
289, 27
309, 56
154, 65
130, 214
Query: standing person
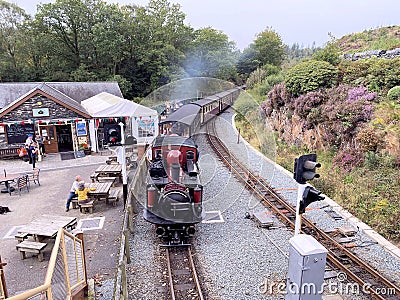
39, 140
72, 194
29, 141
33, 149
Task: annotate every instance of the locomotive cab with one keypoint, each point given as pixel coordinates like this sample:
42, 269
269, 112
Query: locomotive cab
174, 190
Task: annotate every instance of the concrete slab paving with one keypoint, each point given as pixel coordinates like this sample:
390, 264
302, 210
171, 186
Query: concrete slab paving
56, 177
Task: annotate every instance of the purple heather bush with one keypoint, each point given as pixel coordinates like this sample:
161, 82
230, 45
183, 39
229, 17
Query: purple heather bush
348, 159
358, 93
340, 109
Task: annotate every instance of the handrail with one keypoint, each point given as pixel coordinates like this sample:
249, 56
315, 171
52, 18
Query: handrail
46, 288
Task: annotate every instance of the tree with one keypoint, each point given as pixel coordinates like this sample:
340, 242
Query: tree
247, 62
157, 40
269, 48
12, 18
211, 55
330, 53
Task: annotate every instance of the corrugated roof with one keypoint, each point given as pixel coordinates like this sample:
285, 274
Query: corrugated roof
186, 114
77, 91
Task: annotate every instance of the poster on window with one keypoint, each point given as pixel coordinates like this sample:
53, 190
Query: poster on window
146, 128
81, 129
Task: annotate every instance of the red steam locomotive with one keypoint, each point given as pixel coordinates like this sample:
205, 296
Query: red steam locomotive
174, 191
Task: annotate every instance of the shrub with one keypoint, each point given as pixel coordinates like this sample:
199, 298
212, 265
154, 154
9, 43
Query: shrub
269, 82
255, 78
368, 140
394, 93
277, 98
348, 159
310, 75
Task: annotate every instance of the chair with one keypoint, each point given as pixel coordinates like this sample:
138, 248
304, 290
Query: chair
20, 183
34, 176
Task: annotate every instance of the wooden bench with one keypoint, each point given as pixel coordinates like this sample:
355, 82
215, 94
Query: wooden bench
32, 247
20, 237
9, 152
113, 197
87, 206
94, 177
74, 202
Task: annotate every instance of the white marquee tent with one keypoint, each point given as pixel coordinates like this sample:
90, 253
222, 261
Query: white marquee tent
144, 120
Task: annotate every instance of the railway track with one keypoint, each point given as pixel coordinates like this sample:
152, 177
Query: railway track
183, 279
340, 258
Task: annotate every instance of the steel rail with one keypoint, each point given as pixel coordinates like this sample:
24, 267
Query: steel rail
264, 192
193, 272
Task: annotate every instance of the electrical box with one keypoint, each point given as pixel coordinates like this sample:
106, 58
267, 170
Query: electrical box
307, 259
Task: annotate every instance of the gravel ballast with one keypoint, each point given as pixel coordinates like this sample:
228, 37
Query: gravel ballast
237, 259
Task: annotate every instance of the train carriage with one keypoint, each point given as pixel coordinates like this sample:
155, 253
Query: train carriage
188, 119
184, 122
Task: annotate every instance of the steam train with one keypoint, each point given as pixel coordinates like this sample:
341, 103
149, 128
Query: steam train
174, 191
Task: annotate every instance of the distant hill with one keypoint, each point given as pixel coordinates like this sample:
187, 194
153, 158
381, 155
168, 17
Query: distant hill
384, 38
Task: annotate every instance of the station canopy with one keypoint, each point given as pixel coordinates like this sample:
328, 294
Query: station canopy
105, 105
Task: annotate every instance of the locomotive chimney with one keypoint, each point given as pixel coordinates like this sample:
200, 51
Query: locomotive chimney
174, 166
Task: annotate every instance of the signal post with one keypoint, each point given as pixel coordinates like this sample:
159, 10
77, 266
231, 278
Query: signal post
307, 257
305, 170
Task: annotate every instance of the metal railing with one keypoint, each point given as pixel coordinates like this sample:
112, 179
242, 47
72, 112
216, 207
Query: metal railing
66, 271
134, 188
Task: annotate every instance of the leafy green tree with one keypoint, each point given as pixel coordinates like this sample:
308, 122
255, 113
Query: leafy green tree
247, 61
310, 75
330, 53
211, 55
269, 48
157, 40
12, 18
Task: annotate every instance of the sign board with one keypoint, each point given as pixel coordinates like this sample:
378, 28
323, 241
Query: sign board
40, 112
79, 154
81, 129
17, 133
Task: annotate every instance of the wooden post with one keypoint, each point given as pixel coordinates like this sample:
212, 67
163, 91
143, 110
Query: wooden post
130, 221
2, 278
238, 139
127, 250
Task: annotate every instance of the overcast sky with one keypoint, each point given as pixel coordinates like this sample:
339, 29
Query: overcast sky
296, 21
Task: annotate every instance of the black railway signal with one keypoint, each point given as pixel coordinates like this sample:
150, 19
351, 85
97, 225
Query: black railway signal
113, 134
304, 168
309, 195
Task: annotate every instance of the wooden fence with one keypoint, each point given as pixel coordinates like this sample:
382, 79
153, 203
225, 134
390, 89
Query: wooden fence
135, 188
66, 271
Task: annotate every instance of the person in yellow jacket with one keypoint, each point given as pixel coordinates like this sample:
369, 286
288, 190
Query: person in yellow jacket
82, 193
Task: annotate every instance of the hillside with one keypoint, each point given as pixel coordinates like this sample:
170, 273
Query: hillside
384, 38
349, 114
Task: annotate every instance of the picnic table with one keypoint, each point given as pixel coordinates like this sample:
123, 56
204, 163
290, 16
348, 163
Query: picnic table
102, 190
47, 226
109, 170
7, 179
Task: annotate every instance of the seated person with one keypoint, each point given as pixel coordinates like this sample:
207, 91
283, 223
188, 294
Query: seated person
82, 192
